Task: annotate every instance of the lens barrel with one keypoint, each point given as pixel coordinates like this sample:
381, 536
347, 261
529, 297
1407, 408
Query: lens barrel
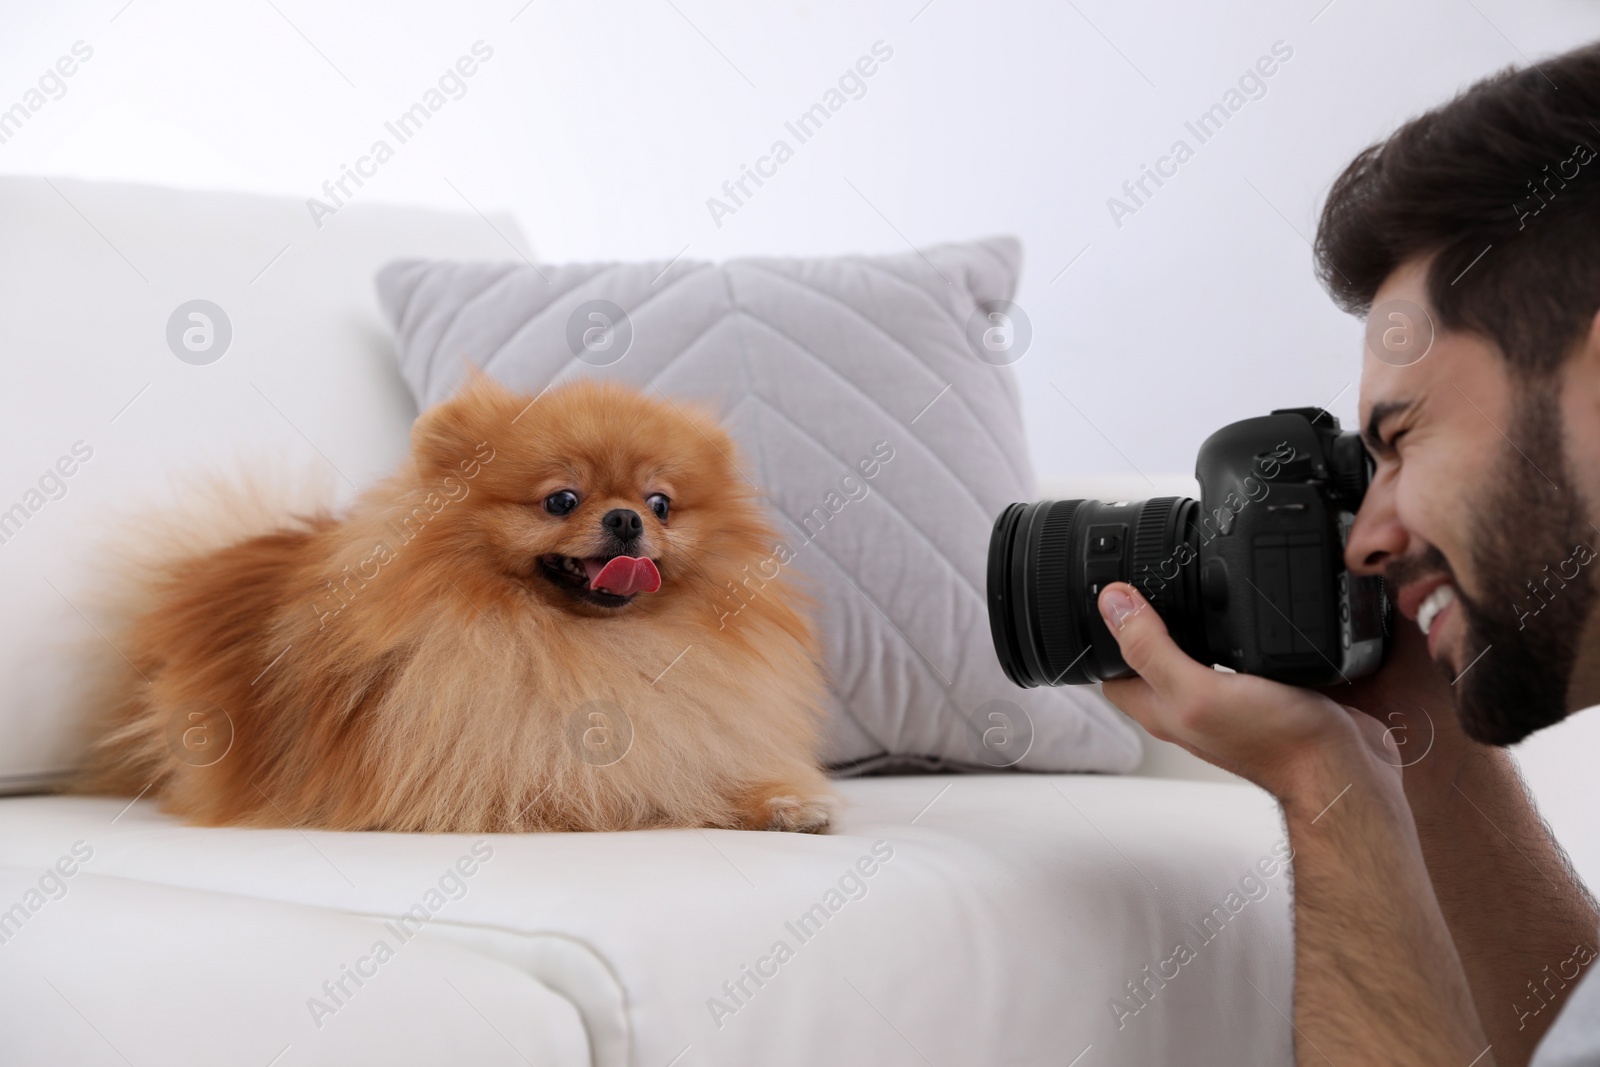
1048, 562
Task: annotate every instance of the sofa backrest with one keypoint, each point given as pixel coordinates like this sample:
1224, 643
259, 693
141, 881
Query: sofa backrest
111, 386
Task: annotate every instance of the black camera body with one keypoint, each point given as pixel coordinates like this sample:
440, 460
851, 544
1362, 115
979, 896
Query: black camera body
1251, 576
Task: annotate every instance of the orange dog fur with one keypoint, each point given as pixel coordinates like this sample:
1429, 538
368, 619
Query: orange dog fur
425, 663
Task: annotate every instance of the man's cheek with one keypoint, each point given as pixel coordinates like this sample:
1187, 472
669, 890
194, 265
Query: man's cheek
1431, 507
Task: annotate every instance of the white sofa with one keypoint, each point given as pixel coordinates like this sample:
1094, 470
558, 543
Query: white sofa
984, 919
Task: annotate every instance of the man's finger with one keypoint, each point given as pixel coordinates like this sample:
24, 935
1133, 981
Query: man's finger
1150, 650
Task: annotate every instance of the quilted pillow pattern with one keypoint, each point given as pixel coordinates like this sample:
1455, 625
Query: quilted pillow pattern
883, 445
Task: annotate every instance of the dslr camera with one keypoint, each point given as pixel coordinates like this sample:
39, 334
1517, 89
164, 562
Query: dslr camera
1250, 577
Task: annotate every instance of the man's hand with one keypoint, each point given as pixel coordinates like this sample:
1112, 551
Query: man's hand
1377, 977
1294, 743
1411, 696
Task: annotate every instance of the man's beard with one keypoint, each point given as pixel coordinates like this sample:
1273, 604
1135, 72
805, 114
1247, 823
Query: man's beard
1527, 537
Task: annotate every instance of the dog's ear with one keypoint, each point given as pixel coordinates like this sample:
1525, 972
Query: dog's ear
465, 427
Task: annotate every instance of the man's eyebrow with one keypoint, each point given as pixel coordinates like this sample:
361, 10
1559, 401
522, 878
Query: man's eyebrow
1379, 414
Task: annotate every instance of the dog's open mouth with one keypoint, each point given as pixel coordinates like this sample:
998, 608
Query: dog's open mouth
609, 582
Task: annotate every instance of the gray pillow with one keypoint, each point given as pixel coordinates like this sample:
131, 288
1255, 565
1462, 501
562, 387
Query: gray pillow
884, 446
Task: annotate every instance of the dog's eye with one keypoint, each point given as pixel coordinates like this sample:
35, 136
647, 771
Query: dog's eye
561, 502
659, 504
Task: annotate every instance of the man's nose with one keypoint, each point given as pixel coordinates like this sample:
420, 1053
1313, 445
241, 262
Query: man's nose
1377, 535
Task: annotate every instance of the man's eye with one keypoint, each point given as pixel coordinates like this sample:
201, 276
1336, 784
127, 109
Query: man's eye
659, 504
561, 502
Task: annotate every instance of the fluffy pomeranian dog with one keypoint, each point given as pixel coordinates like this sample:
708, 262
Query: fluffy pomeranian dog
522, 630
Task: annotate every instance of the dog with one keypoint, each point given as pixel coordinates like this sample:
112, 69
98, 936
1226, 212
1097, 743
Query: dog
519, 631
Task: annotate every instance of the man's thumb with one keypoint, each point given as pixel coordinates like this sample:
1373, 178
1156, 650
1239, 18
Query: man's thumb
1139, 631
1149, 649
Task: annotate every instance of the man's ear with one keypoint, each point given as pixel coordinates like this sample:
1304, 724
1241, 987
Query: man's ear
479, 414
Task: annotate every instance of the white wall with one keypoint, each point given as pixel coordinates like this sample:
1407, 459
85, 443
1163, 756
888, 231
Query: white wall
606, 126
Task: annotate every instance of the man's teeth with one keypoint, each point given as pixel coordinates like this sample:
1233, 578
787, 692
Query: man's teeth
1437, 601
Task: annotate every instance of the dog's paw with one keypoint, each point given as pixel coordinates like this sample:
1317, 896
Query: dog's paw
799, 814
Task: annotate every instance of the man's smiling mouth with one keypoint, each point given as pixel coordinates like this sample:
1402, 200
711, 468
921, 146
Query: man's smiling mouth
1436, 602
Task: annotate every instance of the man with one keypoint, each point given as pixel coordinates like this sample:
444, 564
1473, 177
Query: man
1436, 919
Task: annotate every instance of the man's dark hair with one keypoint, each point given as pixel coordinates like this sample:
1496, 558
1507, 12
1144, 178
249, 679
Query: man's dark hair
1511, 165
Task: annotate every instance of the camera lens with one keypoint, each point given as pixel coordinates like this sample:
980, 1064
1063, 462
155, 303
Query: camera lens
1048, 562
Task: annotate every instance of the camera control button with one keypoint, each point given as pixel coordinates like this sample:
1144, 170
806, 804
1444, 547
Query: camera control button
1106, 543
1101, 573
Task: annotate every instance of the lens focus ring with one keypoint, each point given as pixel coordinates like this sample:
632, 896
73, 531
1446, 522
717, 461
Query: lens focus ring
1061, 641
1152, 545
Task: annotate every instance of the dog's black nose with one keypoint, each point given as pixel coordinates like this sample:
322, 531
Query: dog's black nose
624, 523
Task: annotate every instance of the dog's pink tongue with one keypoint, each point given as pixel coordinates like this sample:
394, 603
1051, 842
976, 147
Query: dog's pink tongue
623, 575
